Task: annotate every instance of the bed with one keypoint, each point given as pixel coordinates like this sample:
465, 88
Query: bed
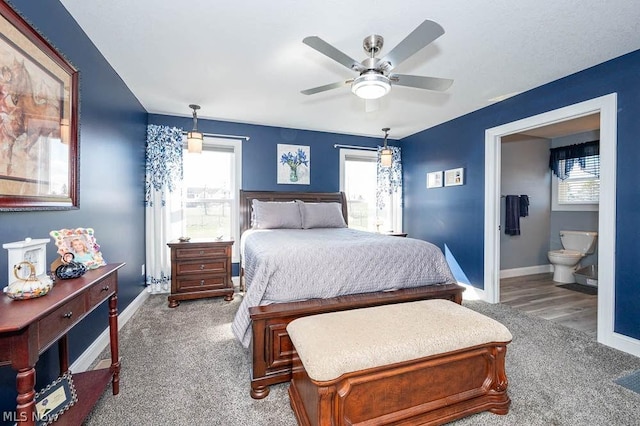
272, 299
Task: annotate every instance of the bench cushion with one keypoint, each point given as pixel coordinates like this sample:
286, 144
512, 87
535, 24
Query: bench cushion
332, 344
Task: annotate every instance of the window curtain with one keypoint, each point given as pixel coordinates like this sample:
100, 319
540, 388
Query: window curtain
163, 178
572, 153
389, 178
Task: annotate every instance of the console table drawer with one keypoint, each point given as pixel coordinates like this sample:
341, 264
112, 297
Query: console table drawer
58, 322
101, 291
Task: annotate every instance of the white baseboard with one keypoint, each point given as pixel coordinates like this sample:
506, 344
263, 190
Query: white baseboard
529, 270
94, 350
472, 293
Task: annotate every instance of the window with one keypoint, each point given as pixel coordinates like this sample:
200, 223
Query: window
581, 189
358, 180
210, 193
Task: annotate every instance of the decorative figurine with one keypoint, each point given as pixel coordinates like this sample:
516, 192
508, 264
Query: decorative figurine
69, 267
29, 286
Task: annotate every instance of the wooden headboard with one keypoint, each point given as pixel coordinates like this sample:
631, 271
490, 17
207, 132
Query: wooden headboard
246, 197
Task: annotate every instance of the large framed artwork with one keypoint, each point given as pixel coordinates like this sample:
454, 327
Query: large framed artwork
38, 120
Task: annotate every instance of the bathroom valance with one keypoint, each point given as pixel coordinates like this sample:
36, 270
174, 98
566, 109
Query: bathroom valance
572, 153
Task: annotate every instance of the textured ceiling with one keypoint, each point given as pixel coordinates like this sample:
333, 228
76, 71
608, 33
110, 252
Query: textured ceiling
244, 61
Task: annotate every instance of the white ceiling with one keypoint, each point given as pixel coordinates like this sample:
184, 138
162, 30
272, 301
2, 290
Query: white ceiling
244, 61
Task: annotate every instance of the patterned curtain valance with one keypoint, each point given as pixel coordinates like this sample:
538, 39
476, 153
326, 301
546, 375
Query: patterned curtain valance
389, 178
163, 158
571, 154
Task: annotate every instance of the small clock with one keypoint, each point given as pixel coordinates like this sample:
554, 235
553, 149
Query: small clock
28, 250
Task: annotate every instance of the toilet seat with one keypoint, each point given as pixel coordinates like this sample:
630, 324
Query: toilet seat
566, 253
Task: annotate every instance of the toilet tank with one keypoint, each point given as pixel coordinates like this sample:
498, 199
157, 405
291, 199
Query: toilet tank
582, 241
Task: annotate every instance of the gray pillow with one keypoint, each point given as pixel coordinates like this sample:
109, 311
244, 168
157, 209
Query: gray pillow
321, 215
274, 214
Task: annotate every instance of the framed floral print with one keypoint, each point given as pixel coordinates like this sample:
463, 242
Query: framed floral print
294, 164
39, 120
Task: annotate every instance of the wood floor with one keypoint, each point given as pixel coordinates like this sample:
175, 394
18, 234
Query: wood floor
540, 296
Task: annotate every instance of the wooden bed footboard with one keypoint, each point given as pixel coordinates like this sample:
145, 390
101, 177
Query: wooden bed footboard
273, 352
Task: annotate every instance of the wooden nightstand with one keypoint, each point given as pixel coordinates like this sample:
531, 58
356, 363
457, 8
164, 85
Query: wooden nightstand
200, 268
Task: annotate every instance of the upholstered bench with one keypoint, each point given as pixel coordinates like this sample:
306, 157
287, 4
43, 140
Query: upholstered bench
424, 362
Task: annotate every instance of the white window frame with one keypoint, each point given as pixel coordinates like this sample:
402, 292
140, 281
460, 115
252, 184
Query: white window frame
557, 206
396, 198
236, 145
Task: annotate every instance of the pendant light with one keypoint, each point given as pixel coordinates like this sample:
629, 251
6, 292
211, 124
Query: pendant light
194, 137
386, 154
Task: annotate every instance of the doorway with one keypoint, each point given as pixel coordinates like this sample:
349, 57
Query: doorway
606, 107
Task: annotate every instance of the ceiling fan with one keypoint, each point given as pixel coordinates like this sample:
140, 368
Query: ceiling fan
375, 79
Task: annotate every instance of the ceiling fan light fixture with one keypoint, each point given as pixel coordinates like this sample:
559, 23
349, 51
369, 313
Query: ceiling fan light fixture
371, 86
194, 137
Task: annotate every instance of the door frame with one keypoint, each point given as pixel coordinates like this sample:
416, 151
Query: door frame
607, 107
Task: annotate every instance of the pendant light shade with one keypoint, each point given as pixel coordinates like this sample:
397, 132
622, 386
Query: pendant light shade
386, 154
194, 137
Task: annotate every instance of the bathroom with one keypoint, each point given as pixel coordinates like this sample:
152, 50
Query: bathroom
525, 170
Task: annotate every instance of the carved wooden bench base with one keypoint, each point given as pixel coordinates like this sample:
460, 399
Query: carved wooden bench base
431, 390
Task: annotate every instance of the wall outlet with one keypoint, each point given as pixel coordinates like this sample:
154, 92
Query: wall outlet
142, 271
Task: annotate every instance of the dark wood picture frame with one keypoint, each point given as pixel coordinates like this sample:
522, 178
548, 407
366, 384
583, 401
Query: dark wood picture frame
39, 130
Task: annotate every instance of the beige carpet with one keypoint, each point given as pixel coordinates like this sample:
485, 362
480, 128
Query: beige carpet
184, 367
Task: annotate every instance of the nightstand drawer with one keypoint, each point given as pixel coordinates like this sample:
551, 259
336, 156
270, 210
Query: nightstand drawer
202, 283
203, 267
198, 252
54, 325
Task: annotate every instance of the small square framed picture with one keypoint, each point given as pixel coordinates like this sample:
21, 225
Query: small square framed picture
434, 179
454, 177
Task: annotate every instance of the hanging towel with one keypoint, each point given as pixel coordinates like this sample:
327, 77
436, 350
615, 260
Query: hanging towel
512, 215
524, 205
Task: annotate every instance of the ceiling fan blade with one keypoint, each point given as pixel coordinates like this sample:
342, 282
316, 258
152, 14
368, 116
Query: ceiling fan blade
426, 32
419, 82
325, 87
326, 49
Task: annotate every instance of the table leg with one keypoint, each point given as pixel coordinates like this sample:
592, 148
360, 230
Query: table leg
113, 342
25, 382
63, 354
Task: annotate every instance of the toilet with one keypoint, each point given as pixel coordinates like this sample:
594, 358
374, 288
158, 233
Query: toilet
577, 244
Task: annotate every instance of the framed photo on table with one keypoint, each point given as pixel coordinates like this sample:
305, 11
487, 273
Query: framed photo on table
39, 126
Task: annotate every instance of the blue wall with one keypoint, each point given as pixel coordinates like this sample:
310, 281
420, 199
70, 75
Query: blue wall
112, 135
455, 216
259, 154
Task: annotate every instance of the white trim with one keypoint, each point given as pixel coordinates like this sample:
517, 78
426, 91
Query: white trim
472, 293
84, 361
607, 107
529, 270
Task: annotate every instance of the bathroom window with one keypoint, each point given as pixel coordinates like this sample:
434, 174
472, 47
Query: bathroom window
581, 188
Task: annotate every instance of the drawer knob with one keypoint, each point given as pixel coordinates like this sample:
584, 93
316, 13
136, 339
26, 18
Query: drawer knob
68, 314
201, 282
201, 267
105, 288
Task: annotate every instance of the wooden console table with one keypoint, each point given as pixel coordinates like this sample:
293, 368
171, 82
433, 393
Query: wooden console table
29, 327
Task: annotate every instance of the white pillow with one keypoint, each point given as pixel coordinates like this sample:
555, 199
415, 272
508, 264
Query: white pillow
321, 215
274, 214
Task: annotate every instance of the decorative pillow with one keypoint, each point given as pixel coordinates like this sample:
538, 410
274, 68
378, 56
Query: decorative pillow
275, 214
321, 215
